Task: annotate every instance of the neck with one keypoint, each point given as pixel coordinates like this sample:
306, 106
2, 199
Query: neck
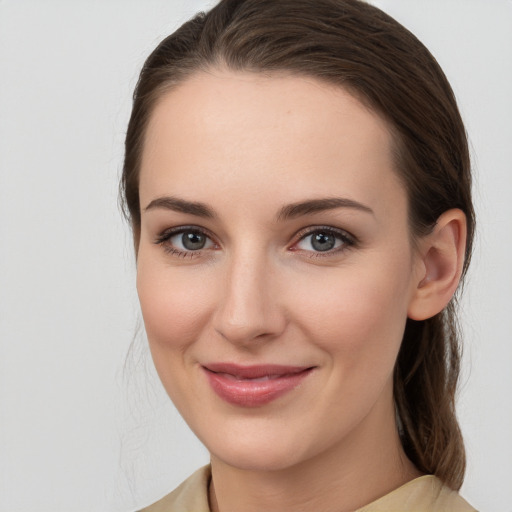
365, 466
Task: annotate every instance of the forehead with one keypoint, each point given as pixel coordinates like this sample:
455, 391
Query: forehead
236, 132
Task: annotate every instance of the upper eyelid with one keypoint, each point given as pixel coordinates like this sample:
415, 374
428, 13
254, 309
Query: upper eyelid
168, 232
304, 232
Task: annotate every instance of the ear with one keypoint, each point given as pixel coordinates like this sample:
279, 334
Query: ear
441, 258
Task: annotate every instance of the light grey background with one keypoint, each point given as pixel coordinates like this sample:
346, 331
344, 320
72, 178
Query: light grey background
79, 431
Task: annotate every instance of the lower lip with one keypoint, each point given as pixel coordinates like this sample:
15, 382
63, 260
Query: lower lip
253, 392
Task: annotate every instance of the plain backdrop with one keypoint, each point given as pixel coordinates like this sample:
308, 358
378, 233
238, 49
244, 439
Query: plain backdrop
83, 427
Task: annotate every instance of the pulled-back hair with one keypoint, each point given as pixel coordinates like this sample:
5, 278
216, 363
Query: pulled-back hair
358, 47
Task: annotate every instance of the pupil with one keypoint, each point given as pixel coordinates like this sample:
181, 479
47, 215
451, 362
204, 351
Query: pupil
323, 242
193, 241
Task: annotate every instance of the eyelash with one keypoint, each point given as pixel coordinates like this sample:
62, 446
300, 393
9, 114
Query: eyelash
166, 235
348, 241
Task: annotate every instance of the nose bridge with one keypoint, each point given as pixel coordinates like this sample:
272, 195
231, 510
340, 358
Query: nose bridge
246, 309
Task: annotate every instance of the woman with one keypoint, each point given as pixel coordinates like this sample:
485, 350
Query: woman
297, 178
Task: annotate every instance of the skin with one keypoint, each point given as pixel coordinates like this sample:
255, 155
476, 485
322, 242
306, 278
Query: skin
247, 146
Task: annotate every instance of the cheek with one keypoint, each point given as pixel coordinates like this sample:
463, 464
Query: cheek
175, 308
357, 315
173, 305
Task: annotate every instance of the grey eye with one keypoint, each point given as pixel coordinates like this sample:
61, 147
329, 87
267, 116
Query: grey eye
323, 241
190, 240
193, 241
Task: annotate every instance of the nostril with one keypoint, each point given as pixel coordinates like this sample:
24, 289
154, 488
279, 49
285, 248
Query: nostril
245, 311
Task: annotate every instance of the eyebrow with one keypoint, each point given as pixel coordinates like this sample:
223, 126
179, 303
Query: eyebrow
182, 206
294, 210
289, 211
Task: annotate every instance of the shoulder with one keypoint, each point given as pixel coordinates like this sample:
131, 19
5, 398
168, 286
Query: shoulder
190, 496
423, 494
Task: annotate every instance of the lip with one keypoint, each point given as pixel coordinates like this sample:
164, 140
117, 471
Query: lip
253, 386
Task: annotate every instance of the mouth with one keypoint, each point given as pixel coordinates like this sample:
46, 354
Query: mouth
253, 386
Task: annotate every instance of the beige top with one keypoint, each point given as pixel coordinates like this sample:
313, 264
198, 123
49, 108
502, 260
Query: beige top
423, 494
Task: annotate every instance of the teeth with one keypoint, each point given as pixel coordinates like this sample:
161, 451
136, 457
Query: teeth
259, 379
253, 379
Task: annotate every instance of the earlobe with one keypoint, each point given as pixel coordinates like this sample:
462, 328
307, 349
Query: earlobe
442, 259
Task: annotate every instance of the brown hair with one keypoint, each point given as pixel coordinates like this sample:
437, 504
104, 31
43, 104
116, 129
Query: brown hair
358, 47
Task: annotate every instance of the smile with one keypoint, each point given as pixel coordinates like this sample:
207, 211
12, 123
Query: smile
253, 386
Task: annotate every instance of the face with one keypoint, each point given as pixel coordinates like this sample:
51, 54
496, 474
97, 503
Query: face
275, 268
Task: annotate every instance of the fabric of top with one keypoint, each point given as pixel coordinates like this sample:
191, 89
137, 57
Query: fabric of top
424, 494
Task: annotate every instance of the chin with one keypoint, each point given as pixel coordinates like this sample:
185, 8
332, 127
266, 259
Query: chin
257, 459
260, 449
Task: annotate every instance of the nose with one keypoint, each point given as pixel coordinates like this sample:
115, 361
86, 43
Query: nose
249, 309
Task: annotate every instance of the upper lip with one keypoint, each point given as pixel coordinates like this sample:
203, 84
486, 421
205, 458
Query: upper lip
255, 371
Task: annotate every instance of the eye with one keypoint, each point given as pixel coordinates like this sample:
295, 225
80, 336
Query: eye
190, 241
184, 241
324, 240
